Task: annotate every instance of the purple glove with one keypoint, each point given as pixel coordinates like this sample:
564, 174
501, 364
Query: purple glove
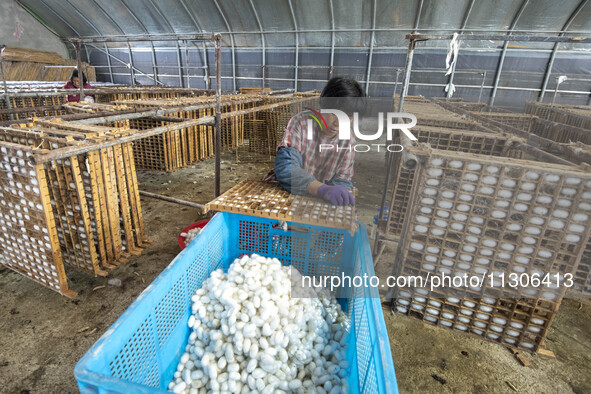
337, 195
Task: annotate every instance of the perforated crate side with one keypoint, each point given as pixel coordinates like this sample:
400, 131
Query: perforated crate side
140, 352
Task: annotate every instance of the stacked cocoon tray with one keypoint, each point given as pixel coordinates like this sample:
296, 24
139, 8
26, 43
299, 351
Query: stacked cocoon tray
250, 335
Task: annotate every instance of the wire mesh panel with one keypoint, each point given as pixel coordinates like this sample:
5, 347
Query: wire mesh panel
494, 220
438, 138
573, 115
28, 240
270, 200
91, 200
519, 121
560, 132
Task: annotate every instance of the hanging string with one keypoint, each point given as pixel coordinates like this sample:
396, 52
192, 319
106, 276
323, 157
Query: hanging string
450, 61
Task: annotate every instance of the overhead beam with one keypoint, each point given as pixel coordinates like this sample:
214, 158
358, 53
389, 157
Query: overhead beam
264, 64
297, 49
370, 54
231, 42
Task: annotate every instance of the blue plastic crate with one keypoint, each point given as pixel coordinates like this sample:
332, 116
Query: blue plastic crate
139, 353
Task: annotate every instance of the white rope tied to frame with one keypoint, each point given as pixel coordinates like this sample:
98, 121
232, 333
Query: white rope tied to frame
450, 61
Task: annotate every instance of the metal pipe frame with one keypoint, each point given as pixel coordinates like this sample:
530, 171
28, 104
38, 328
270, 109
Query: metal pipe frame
180, 66
297, 49
131, 65
504, 52
197, 23
126, 64
332, 39
263, 44
109, 63
218, 113
6, 96
555, 48
346, 30
231, 42
146, 37
370, 55
80, 72
499, 37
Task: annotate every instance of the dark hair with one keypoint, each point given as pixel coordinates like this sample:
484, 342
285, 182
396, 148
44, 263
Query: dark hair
75, 75
344, 94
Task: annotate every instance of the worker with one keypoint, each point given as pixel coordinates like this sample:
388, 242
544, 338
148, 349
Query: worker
301, 167
74, 83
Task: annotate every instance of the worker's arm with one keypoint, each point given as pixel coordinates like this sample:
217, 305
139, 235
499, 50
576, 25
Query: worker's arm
291, 174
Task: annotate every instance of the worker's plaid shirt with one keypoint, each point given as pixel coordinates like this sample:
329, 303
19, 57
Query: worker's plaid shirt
325, 165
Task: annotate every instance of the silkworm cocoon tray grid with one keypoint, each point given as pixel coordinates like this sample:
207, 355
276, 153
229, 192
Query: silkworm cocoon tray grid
532, 221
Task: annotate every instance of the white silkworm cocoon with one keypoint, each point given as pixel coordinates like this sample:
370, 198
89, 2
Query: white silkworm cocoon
585, 206
529, 240
447, 262
492, 169
540, 211
417, 246
440, 223
499, 214
466, 197
491, 243
552, 178
486, 190
421, 229
581, 217
461, 327
430, 258
486, 252
456, 164
532, 175
432, 182
437, 162
449, 253
528, 186
448, 194
426, 210
544, 199
469, 304
572, 238
505, 193
249, 333
471, 177
428, 201
437, 232
479, 324
434, 250
445, 204
533, 230
524, 197
537, 221
457, 226
567, 191
474, 166
514, 227
564, 203
464, 266
435, 172
448, 315
467, 187
430, 192
509, 183
423, 219
510, 340
453, 300
463, 207
560, 213
521, 207
489, 180
558, 224
577, 228
522, 260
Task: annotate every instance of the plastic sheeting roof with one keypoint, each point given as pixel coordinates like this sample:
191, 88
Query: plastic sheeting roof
309, 23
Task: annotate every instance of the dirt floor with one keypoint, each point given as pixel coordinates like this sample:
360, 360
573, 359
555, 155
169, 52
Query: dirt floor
43, 334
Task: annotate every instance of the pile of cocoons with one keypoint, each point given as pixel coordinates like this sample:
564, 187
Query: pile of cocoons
189, 235
250, 335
